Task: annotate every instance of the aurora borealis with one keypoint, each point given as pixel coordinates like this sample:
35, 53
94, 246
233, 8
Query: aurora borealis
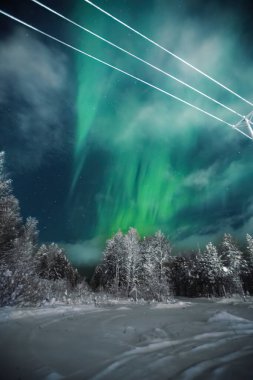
130, 156
153, 174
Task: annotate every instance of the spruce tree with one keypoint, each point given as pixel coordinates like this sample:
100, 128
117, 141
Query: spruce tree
52, 264
213, 271
10, 219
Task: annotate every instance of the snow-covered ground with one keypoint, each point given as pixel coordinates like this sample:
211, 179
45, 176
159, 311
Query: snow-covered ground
189, 339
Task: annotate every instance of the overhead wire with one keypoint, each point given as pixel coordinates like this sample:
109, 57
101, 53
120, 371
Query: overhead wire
119, 70
169, 52
136, 57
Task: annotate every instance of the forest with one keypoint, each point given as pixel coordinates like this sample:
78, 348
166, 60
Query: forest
145, 268
131, 266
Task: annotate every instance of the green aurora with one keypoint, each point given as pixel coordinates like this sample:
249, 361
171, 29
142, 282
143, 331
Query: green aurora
160, 164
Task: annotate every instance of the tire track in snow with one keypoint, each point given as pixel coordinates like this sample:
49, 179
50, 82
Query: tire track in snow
181, 348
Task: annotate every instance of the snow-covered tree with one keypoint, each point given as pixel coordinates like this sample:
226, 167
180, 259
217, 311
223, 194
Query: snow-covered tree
156, 258
230, 253
120, 266
249, 251
52, 264
231, 257
135, 268
145, 268
247, 265
25, 276
15, 268
147, 280
10, 220
131, 260
27, 242
111, 273
212, 272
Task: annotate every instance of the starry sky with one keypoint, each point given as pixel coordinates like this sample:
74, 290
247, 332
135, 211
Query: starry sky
92, 151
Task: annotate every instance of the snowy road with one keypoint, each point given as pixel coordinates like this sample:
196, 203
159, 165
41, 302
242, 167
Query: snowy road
198, 339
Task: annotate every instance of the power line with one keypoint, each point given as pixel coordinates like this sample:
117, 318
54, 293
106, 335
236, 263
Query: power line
136, 57
119, 70
169, 52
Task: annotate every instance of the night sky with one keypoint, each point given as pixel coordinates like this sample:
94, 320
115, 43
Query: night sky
91, 151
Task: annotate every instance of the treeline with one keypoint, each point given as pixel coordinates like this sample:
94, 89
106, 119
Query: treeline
145, 268
135, 268
29, 273
130, 267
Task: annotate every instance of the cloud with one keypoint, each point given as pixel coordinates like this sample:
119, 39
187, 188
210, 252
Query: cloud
34, 87
200, 179
83, 253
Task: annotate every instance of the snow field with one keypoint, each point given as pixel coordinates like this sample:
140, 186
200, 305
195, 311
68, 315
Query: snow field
190, 339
